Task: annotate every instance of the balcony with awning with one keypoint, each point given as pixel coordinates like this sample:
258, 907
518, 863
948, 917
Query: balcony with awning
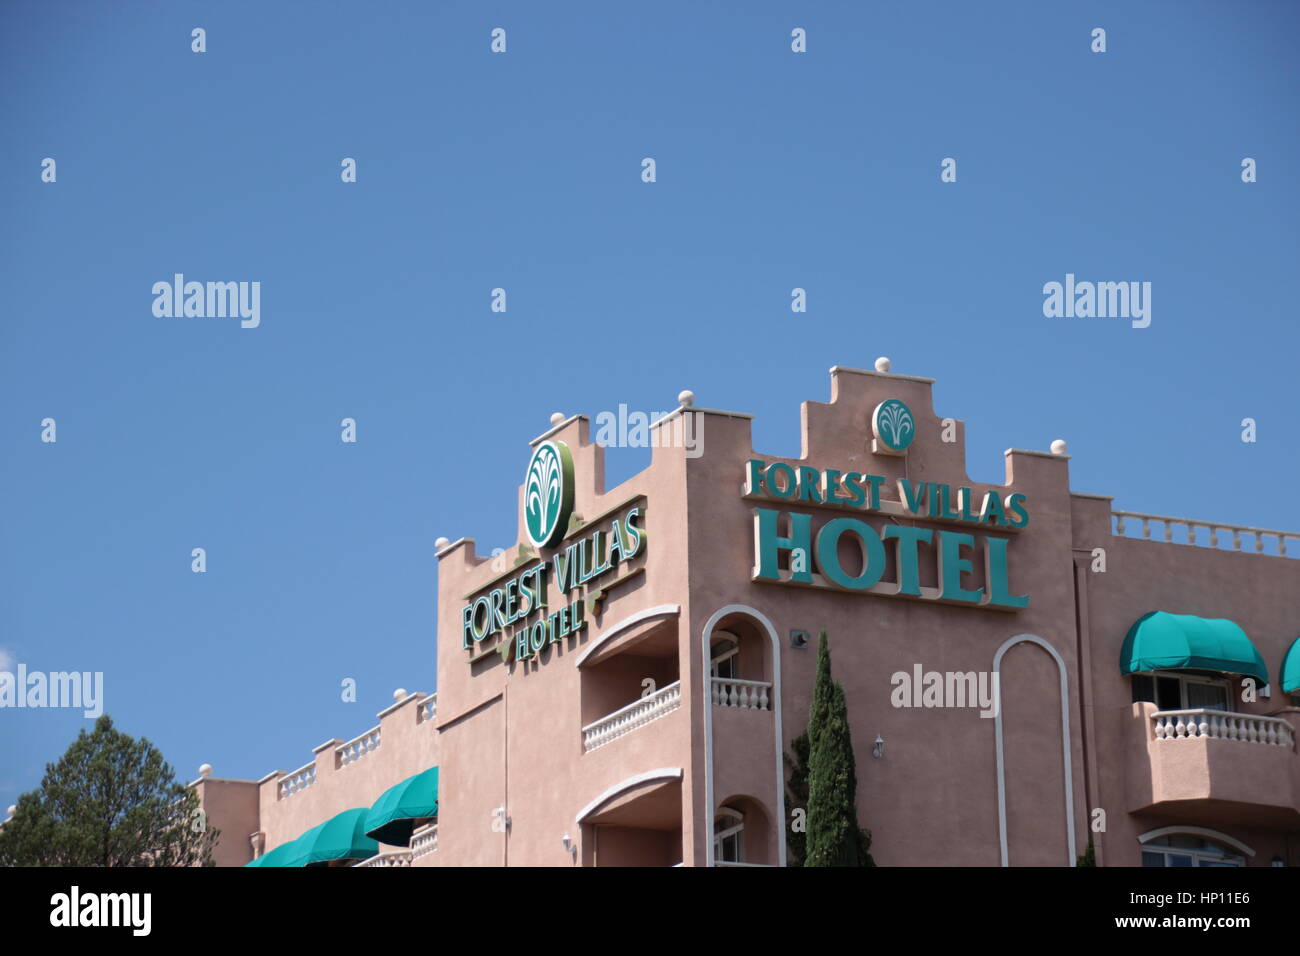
1192, 756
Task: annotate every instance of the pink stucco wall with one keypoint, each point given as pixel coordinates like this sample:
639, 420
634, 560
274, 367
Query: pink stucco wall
509, 735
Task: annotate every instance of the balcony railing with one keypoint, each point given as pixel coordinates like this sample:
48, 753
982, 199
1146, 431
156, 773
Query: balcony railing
424, 841
355, 749
1222, 725
398, 858
298, 781
634, 715
429, 708
1190, 536
745, 694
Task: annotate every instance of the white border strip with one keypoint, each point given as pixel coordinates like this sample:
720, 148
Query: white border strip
664, 773
663, 610
1196, 831
1065, 747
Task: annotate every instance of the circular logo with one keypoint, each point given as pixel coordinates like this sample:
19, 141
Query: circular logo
548, 493
893, 425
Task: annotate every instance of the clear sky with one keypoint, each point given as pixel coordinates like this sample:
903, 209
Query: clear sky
522, 170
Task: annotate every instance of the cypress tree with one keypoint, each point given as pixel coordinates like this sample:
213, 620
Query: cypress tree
821, 697
834, 837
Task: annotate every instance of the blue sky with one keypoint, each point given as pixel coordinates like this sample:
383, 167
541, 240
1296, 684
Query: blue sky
522, 170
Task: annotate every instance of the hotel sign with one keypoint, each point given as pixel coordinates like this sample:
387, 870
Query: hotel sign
814, 560
519, 608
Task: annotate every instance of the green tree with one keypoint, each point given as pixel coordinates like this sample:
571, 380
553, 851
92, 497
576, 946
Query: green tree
1088, 857
111, 800
797, 800
834, 837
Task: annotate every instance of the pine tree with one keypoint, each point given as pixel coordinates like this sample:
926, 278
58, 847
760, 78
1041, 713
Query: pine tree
111, 800
834, 837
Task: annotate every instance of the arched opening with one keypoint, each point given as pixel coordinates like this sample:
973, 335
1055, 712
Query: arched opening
1191, 846
740, 664
1185, 849
742, 834
752, 636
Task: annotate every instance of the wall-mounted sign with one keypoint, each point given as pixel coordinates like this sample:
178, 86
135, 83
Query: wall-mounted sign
519, 608
894, 427
548, 493
802, 558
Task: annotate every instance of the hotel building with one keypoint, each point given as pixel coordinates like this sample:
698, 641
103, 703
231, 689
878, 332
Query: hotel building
619, 688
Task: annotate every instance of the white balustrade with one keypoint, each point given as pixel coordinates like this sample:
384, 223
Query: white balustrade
634, 715
398, 858
424, 841
298, 781
429, 708
354, 750
745, 694
1222, 725
1167, 522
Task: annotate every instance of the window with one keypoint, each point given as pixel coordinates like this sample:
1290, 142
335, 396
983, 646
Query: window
724, 653
1183, 691
1186, 850
728, 829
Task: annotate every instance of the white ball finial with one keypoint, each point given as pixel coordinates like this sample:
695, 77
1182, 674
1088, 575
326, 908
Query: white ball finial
556, 418
686, 397
9, 814
883, 364
399, 694
205, 770
442, 543
1059, 447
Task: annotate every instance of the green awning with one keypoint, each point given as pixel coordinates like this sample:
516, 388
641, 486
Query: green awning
1163, 641
273, 857
1291, 669
392, 818
342, 837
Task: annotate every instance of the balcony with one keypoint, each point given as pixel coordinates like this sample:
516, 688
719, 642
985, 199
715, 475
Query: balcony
1219, 725
398, 858
743, 694
1213, 767
424, 841
636, 714
1192, 529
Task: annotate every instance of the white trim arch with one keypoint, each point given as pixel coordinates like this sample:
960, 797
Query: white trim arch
1071, 847
614, 630
1215, 835
664, 773
758, 617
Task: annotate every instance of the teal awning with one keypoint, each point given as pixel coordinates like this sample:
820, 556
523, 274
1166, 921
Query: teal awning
274, 857
392, 818
342, 837
1291, 669
1163, 641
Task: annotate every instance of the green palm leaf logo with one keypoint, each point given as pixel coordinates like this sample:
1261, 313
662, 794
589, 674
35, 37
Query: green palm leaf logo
893, 424
548, 493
